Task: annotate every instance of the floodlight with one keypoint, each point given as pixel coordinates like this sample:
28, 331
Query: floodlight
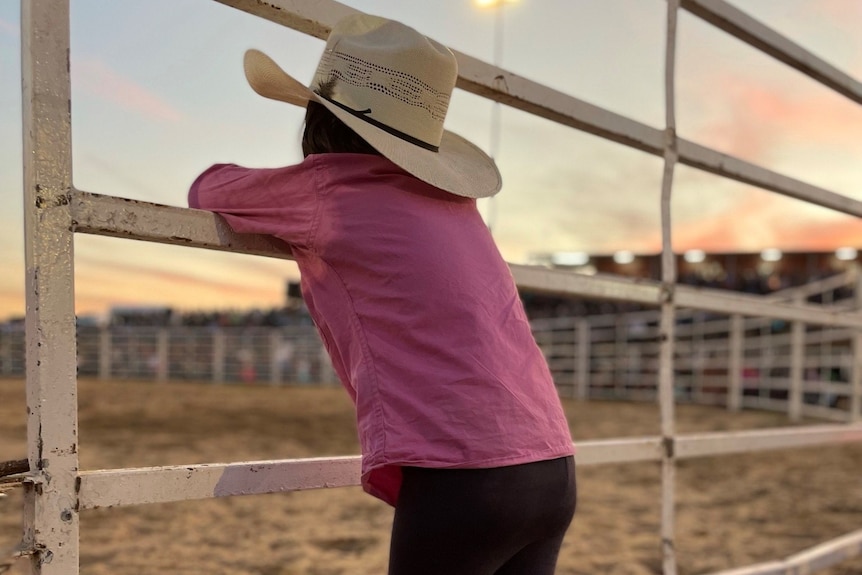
570, 258
624, 257
771, 255
694, 256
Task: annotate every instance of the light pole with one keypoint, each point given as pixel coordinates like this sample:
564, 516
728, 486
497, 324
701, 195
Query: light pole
497, 6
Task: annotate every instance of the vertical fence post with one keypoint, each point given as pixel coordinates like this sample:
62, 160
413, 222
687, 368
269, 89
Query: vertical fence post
697, 356
620, 356
551, 345
855, 415
764, 377
162, 354
576, 360
275, 356
797, 357
51, 525
668, 306
856, 370
218, 355
735, 345
829, 357
5, 354
327, 372
105, 352
582, 390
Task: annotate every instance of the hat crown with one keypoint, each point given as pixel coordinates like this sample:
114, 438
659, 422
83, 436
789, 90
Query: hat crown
390, 75
390, 85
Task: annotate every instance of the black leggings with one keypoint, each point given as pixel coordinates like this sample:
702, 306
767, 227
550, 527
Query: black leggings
498, 521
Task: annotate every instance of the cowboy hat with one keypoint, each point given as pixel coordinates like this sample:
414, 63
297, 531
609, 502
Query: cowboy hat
391, 85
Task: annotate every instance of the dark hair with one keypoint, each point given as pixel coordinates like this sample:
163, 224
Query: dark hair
326, 134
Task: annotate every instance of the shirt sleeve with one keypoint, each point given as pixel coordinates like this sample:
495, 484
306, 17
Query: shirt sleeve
282, 202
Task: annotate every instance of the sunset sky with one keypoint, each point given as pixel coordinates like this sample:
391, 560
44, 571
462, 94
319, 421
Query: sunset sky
158, 95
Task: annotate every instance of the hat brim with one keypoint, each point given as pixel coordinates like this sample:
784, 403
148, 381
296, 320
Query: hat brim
458, 167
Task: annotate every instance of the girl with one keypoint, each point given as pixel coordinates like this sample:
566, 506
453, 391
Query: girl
459, 422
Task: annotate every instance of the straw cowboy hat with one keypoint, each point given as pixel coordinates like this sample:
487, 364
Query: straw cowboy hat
391, 85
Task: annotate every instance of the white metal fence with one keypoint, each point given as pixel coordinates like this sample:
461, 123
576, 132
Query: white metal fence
56, 491
617, 357
721, 360
727, 360
271, 355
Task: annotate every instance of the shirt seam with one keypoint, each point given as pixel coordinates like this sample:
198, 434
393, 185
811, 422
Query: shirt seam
311, 238
368, 358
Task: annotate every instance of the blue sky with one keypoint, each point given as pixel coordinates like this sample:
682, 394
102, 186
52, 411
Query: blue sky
158, 95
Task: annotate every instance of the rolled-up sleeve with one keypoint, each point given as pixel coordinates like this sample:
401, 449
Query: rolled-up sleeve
282, 202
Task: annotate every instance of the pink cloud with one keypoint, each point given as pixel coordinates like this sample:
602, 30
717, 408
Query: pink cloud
101, 286
761, 118
101, 270
115, 281
843, 231
757, 118
96, 78
759, 123
760, 221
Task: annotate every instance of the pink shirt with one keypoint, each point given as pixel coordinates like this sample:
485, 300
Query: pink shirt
415, 306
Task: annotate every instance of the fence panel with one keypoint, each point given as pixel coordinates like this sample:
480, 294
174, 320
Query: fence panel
54, 210
611, 356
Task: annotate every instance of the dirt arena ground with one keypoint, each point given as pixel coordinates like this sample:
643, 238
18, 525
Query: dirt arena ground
732, 511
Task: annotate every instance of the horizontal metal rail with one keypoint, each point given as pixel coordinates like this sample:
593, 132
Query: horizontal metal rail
109, 488
733, 168
317, 18
121, 218
621, 450
117, 217
497, 84
811, 560
116, 487
711, 444
739, 24
500, 85
819, 287
312, 18
651, 293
